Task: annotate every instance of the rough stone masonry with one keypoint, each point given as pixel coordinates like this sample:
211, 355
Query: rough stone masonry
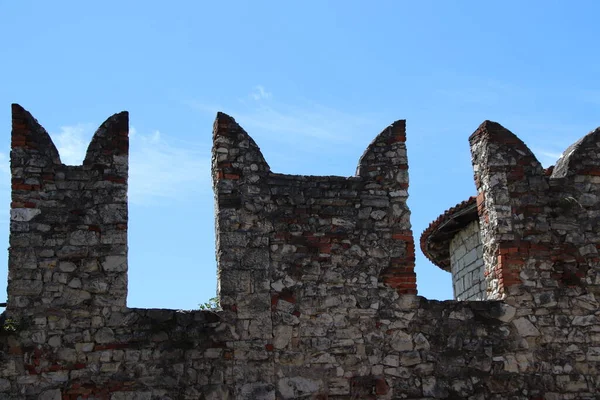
316, 280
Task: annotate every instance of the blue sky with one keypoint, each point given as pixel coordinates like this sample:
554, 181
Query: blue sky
313, 82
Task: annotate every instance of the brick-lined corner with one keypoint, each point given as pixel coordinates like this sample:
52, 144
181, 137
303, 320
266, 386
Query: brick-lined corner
385, 162
541, 217
506, 172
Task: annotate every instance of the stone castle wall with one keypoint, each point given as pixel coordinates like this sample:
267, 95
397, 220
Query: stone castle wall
316, 281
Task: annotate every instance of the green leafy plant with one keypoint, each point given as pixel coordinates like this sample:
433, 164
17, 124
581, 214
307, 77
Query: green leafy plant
10, 325
211, 305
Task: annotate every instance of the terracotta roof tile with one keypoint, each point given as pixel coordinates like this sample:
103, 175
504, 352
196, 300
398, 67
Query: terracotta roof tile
435, 240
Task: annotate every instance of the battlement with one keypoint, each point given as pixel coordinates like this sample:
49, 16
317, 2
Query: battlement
301, 229
524, 214
316, 279
68, 242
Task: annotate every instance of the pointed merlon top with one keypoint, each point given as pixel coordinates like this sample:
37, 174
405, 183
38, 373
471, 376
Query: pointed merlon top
17, 110
221, 116
375, 155
29, 136
225, 127
224, 120
495, 131
487, 124
577, 158
396, 128
395, 132
21, 114
111, 139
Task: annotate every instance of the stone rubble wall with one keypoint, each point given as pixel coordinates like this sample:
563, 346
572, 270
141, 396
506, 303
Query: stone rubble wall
316, 283
466, 261
68, 224
540, 237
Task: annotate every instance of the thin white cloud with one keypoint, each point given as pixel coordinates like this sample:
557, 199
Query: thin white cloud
4, 166
260, 93
549, 154
287, 123
72, 141
312, 121
546, 157
159, 167
307, 127
547, 139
